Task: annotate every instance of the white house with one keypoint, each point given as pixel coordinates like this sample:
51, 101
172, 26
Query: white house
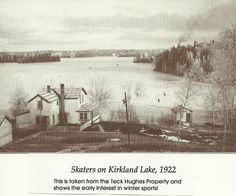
5, 130
71, 99
58, 106
43, 109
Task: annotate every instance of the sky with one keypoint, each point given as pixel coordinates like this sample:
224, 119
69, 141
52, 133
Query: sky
30, 25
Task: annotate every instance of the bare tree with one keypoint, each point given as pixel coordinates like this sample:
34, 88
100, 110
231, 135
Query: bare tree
211, 103
112, 115
224, 74
130, 107
188, 89
18, 101
133, 92
99, 93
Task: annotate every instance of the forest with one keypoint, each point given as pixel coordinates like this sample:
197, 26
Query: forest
28, 57
177, 60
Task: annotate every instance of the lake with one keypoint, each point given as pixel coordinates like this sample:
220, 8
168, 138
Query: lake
118, 74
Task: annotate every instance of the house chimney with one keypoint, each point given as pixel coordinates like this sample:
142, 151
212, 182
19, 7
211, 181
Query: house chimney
62, 105
48, 89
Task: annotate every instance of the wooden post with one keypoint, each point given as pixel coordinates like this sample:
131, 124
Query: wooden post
179, 127
62, 106
127, 116
41, 108
91, 118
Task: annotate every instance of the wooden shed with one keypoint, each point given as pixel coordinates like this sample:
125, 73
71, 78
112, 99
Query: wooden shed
5, 131
182, 114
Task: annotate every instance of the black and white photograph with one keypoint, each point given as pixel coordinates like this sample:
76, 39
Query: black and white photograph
110, 76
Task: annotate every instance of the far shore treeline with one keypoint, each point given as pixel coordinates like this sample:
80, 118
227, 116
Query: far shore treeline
175, 60
28, 57
52, 56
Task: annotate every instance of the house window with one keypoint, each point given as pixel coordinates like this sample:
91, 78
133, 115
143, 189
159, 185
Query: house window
53, 119
188, 117
57, 102
39, 105
83, 116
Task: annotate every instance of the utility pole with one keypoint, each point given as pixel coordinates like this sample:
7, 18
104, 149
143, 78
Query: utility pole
91, 118
127, 115
41, 108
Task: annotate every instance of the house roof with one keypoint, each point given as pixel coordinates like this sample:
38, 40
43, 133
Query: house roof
24, 112
87, 107
55, 93
70, 93
48, 97
2, 118
179, 108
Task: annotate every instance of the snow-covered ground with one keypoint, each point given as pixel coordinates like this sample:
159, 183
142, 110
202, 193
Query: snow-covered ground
173, 138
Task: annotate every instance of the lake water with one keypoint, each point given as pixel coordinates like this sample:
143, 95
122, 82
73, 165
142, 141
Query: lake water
115, 73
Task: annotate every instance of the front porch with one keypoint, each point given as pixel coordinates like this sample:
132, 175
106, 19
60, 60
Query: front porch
88, 115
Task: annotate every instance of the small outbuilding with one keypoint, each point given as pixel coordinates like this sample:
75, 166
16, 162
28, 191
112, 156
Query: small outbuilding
182, 114
5, 131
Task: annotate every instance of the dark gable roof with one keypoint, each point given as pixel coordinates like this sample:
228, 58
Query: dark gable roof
87, 107
55, 93
48, 97
70, 93
179, 108
2, 118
